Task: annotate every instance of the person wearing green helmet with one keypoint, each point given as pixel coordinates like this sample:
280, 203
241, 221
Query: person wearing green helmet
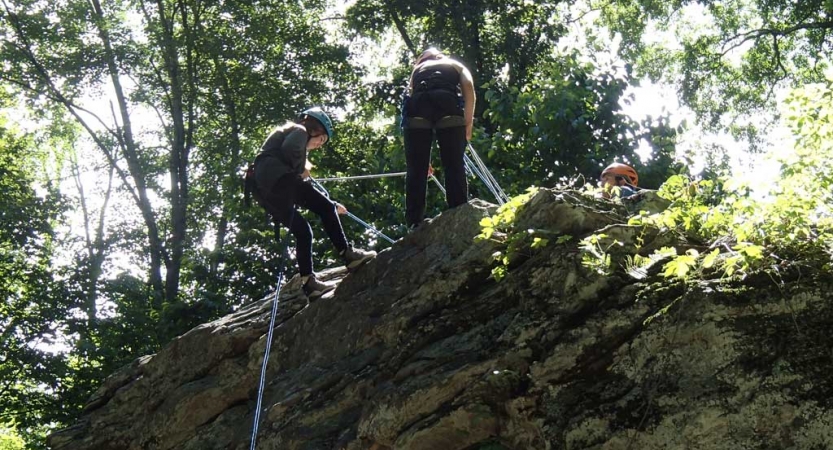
281, 172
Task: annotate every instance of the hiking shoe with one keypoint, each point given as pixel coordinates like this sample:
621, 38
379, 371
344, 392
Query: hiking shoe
313, 288
355, 257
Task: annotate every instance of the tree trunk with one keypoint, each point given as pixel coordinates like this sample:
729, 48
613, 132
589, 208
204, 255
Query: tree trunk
473, 52
231, 110
96, 251
400, 26
180, 148
134, 166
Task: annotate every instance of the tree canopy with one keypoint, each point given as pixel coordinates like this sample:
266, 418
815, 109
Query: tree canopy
126, 126
726, 58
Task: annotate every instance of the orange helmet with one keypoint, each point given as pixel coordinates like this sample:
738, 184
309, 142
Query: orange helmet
622, 170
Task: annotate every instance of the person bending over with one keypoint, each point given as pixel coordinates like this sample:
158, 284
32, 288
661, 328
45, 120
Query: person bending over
440, 102
281, 172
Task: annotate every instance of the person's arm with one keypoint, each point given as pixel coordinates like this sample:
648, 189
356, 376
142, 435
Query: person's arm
294, 149
411, 82
467, 88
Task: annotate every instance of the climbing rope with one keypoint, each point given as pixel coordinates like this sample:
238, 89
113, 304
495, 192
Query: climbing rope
369, 227
439, 185
473, 170
269, 335
324, 191
380, 175
262, 384
486, 176
363, 177
474, 166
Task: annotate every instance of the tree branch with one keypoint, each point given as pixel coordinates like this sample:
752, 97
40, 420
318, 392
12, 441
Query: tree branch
57, 95
26, 86
400, 26
761, 32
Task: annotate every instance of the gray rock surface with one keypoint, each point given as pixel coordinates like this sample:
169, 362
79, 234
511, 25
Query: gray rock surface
421, 349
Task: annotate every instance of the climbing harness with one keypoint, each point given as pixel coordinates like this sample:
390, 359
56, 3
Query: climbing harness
324, 191
262, 384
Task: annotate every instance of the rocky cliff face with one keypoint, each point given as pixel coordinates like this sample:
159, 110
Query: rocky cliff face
420, 349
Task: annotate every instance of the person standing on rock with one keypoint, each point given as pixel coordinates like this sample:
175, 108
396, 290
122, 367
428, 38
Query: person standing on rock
281, 172
440, 100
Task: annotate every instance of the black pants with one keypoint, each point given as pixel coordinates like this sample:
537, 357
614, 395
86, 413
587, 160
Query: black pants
452, 143
280, 202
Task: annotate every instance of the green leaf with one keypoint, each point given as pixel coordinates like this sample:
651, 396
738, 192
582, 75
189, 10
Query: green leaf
539, 242
563, 239
709, 259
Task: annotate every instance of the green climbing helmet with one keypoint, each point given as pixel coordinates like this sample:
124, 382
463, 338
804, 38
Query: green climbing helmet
319, 115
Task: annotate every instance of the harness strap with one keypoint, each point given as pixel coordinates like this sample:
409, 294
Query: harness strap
421, 123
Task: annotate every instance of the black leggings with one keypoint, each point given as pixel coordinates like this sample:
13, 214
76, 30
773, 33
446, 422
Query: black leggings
452, 143
280, 202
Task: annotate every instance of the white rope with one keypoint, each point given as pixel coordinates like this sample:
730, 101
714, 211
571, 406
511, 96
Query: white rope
439, 185
489, 174
262, 384
475, 171
363, 177
487, 177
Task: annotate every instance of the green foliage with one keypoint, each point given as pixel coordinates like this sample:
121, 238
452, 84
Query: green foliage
596, 252
743, 231
218, 76
9, 440
35, 302
567, 121
488, 35
500, 228
202, 84
727, 58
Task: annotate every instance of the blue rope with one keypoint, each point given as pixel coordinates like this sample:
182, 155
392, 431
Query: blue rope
369, 227
351, 215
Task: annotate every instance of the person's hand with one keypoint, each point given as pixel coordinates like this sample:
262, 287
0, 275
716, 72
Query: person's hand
341, 209
307, 167
430, 170
468, 132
